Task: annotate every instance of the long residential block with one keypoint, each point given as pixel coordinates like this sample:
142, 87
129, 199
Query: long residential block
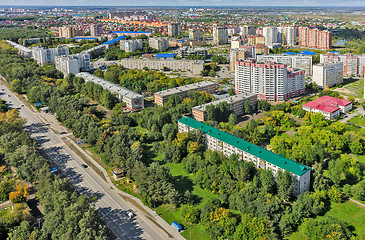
132, 99
235, 104
220, 141
22, 50
162, 97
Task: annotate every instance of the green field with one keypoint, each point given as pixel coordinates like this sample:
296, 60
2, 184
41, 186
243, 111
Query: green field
358, 120
348, 212
355, 88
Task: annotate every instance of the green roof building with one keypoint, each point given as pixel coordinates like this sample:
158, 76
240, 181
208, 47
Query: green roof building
218, 140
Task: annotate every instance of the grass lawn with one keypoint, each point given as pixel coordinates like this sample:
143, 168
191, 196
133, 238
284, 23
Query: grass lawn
348, 212
358, 120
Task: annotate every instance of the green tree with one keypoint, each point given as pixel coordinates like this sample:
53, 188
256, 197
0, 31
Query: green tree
285, 183
232, 119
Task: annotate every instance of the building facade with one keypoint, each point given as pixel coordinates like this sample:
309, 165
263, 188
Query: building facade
247, 30
131, 45
329, 107
23, 51
235, 104
158, 43
67, 32
174, 29
270, 81
73, 63
163, 96
227, 144
328, 74
44, 56
220, 35
289, 36
133, 100
273, 36
195, 34
295, 61
186, 51
193, 66
353, 65
314, 38
96, 30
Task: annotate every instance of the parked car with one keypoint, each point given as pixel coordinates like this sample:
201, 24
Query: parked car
84, 165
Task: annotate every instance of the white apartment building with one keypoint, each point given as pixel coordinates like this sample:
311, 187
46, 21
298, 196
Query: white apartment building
227, 144
174, 29
195, 34
131, 45
295, 61
247, 30
73, 63
220, 35
44, 56
289, 36
270, 81
328, 74
96, 30
132, 99
22, 50
352, 64
186, 51
273, 36
159, 43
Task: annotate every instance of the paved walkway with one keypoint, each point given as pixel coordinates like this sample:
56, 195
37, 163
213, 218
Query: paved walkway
357, 202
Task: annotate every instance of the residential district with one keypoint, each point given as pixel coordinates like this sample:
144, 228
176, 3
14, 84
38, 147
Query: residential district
182, 123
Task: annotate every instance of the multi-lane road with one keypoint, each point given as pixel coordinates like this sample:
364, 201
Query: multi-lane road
109, 203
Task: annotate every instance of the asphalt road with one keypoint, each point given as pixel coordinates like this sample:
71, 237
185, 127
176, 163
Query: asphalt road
111, 207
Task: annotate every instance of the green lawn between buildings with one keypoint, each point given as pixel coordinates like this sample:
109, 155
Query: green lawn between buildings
358, 120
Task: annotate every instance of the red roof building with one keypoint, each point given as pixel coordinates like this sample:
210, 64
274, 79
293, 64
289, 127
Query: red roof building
330, 107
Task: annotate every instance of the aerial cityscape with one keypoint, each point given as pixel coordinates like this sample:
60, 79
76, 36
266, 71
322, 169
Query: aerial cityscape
182, 120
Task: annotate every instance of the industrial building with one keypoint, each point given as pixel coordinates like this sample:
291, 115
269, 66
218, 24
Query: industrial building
329, 107
163, 96
227, 144
235, 104
132, 99
328, 74
73, 63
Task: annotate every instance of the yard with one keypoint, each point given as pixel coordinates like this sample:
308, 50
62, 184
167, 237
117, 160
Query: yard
352, 87
359, 120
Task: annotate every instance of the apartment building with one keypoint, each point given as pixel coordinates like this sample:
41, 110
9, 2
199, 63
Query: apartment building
44, 56
133, 100
158, 43
186, 51
66, 32
131, 45
220, 141
193, 66
273, 36
237, 54
328, 74
289, 36
73, 63
96, 30
314, 38
195, 34
270, 81
163, 96
247, 30
174, 29
235, 104
329, 107
220, 35
22, 50
353, 65
294, 61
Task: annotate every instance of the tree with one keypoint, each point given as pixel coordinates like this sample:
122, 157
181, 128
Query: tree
20, 195
247, 107
285, 183
263, 105
326, 228
231, 92
252, 227
232, 119
23, 231
169, 132
16, 86
190, 213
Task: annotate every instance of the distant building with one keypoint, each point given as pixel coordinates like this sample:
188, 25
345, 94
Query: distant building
193, 66
159, 43
261, 158
174, 29
220, 35
329, 107
289, 36
235, 104
163, 96
295, 61
131, 45
273, 36
352, 64
73, 63
96, 30
237, 54
127, 33
186, 51
328, 74
23, 51
132, 99
247, 30
44, 56
270, 81
255, 40
195, 34
113, 42
314, 38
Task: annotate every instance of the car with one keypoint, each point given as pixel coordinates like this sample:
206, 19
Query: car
84, 165
9, 95
130, 214
62, 133
22, 105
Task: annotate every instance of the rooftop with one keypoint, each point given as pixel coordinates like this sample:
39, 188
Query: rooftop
122, 91
327, 104
273, 158
114, 40
165, 55
185, 88
139, 32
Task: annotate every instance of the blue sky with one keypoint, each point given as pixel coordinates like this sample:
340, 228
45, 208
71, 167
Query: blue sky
350, 3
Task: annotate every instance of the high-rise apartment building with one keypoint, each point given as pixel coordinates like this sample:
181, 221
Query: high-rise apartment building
314, 38
352, 64
96, 30
303, 62
328, 74
73, 63
174, 29
44, 56
131, 45
159, 43
247, 30
195, 34
289, 36
66, 32
270, 81
273, 36
220, 35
